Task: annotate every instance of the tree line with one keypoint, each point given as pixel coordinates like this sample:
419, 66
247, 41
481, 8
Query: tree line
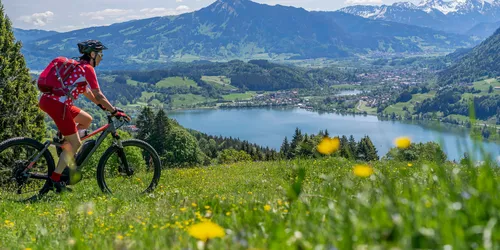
256, 75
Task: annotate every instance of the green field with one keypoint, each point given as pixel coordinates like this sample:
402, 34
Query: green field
132, 82
422, 206
179, 101
398, 107
362, 107
239, 96
484, 87
145, 96
176, 81
221, 80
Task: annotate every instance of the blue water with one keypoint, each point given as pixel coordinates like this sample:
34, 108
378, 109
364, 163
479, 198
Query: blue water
269, 126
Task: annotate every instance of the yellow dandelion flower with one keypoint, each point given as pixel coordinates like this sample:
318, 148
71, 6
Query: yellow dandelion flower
206, 230
267, 208
90, 213
402, 142
409, 164
207, 207
194, 204
328, 145
428, 204
28, 248
363, 170
120, 237
228, 213
183, 209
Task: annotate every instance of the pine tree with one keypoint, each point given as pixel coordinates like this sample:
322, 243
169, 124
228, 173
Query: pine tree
366, 150
345, 150
372, 151
296, 140
353, 147
145, 123
160, 132
285, 149
19, 111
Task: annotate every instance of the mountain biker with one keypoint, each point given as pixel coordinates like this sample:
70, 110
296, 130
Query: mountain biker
71, 121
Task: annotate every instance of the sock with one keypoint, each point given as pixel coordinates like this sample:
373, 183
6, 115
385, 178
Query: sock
82, 132
55, 177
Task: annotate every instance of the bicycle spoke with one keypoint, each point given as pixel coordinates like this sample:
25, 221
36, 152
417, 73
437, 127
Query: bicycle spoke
131, 170
15, 179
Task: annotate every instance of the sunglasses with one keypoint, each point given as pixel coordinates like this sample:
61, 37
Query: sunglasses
100, 54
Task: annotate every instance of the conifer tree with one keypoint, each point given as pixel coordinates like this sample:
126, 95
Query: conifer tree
19, 111
160, 132
285, 149
145, 124
353, 146
296, 140
345, 149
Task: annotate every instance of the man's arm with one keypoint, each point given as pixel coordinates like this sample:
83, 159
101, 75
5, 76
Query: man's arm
101, 99
90, 96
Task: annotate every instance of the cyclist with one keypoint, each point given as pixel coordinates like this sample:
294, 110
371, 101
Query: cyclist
71, 121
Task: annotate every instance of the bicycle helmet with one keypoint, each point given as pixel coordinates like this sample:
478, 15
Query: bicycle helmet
90, 45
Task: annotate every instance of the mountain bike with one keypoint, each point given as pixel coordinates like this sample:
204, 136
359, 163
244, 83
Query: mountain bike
126, 166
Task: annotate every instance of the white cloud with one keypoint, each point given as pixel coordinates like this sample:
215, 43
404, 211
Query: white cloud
106, 12
117, 14
361, 2
38, 19
151, 12
179, 1
182, 8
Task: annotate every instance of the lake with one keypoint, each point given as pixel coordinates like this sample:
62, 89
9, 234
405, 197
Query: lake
269, 126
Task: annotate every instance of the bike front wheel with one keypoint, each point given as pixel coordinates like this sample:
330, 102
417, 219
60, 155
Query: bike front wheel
134, 168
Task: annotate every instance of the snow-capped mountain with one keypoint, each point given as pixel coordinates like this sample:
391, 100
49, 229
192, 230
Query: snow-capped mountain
457, 16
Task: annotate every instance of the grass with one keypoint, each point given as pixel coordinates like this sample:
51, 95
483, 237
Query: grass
398, 107
425, 206
239, 96
220, 82
132, 82
362, 107
179, 101
484, 86
176, 81
145, 95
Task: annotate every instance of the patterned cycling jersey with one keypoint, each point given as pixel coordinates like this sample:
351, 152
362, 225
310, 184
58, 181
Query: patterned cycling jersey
86, 75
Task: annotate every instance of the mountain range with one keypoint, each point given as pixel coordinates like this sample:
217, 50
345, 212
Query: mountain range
482, 61
33, 34
242, 29
456, 16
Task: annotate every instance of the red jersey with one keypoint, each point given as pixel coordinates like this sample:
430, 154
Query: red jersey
86, 75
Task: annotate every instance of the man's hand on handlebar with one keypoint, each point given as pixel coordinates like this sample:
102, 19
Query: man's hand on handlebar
119, 113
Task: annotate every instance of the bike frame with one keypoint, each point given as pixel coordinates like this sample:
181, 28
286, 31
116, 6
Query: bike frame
107, 129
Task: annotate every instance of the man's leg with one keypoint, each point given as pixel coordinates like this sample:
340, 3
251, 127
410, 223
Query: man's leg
83, 119
71, 145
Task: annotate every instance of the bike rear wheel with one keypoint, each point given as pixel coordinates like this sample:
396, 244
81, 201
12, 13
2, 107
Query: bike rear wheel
16, 181
135, 168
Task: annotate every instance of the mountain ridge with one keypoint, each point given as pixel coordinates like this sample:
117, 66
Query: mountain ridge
243, 29
457, 16
482, 61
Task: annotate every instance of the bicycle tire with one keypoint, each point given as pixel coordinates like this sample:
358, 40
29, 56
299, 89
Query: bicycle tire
101, 180
19, 141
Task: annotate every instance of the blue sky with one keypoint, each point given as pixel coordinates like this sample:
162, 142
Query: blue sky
65, 15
